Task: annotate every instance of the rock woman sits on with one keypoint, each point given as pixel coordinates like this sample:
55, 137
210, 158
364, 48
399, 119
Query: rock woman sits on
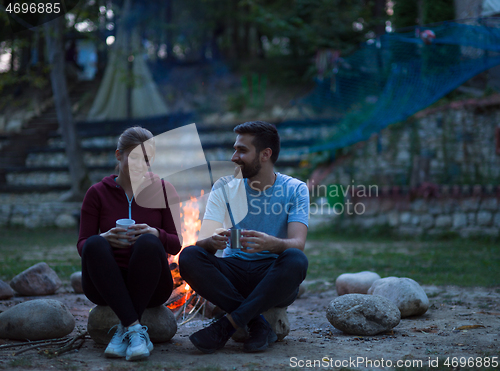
127, 269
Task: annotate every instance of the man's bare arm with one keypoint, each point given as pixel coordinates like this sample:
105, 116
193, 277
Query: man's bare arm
212, 236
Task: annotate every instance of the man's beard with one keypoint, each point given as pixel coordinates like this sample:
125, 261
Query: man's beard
251, 170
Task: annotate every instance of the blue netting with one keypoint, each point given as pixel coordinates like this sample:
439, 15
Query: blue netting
387, 81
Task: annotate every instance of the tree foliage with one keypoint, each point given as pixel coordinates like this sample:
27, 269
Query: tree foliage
314, 24
437, 11
406, 12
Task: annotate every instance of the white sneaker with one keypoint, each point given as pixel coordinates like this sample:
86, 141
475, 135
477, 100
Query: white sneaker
139, 343
118, 345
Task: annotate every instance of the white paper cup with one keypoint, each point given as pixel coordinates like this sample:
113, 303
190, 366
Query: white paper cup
124, 223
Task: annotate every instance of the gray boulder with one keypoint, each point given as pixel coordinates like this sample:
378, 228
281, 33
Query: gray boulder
38, 319
355, 283
160, 321
76, 282
5, 291
278, 319
39, 279
407, 294
359, 314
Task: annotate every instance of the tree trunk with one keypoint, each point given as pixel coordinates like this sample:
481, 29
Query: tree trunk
12, 53
78, 172
261, 52
169, 35
378, 12
25, 54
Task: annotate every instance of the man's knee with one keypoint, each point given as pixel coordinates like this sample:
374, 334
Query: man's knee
295, 259
188, 256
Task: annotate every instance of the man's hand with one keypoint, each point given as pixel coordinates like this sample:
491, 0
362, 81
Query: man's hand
254, 242
220, 238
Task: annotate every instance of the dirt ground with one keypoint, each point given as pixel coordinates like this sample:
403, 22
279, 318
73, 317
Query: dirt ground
312, 343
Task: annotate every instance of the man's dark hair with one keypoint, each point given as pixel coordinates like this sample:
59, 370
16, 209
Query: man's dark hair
265, 136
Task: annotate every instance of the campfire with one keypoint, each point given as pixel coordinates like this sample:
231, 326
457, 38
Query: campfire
184, 301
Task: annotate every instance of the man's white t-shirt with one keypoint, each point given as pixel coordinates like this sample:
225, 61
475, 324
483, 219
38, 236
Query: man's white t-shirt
267, 211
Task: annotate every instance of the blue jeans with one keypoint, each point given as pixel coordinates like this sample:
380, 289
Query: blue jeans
244, 288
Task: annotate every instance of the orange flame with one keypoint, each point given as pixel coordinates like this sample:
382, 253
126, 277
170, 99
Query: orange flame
191, 223
190, 227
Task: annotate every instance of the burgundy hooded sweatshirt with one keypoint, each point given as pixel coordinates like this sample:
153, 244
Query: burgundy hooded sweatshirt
106, 202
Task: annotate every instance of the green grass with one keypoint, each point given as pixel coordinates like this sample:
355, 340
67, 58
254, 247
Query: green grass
22, 248
452, 261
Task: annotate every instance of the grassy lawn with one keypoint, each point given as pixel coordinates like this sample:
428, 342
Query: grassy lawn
452, 261
22, 248
434, 262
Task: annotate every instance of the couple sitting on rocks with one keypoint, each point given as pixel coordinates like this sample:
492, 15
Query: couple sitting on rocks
131, 274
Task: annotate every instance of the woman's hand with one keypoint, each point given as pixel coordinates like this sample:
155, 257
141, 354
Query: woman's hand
122, 241
135, 231
115, 239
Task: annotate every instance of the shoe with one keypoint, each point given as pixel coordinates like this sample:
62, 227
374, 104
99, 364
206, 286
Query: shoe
118, 344
214, 336
139, 344
260, 335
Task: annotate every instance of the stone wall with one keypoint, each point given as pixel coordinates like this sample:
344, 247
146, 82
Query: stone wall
43, 214
469, 212
437, 172
468, 8
452, 144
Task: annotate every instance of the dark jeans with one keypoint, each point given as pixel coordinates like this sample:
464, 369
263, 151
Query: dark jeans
147, 282
244, 288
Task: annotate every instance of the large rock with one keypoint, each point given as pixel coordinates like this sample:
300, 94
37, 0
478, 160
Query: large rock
36, 320
39, 279
355, 283
160, 321
5, 291
359, 314
407, 294
278, 320
76, 282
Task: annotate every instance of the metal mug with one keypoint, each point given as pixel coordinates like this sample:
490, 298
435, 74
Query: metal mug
235, 238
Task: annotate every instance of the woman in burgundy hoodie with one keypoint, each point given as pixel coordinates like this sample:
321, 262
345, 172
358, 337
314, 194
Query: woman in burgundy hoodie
129, 274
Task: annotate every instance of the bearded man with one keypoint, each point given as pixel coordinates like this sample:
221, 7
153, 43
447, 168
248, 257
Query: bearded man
271, 210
